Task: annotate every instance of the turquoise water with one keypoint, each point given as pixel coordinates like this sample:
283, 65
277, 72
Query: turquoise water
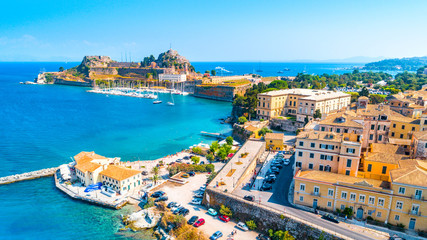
44, 125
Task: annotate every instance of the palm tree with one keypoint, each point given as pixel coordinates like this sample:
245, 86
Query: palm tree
155, 178
155, 170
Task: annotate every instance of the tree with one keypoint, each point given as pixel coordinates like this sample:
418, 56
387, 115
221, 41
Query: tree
242, 120
364, 92
155, 178
155, 170
197, 150
229, 140
214, 147
376, 98
61, 69
213, 72
207, 71
225, 211
251, 225
263, 131
222, 154
348, 212
195, 159
317, 114
210, 157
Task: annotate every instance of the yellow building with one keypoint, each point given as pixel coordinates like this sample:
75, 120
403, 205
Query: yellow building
401, 129
301, 103
410, 103
328, 151
401, 201
274, 141
379, 160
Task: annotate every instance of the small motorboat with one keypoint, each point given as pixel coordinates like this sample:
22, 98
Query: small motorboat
157, 102
171, 104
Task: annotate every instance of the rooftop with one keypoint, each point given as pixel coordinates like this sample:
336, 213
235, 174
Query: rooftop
345, 119
119, 173
329, 177
84, 161
275, 136
412, 172
325, 136
422, 135
385, 153
374, 110
310, 94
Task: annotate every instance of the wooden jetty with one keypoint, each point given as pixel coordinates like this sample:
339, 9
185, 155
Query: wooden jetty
28, 176
214, 135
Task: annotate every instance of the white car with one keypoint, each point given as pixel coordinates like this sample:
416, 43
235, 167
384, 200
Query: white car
198, 195
202, 188
196, 201
242, 226
175, 207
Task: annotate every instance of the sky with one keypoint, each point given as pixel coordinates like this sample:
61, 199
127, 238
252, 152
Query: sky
268, 30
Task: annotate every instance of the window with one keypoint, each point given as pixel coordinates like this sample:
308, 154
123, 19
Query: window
371, 137
380, 137
384, 170
298, 164
299, 154
347, 172
392, 134
302, 187
413, 128
351, 150
401, 135
381, 202
301, 198
301, 143
378, 214
369, 167
352, 196
310, 166
330, 192
320, 167
403, 126
323, 129
316, 190
311, 155
396, 217
348, 162
371, 200
394, 125
329, 204
369, 212
338, 130
312, 145
342, 206
399, 205
372, 127
343, 195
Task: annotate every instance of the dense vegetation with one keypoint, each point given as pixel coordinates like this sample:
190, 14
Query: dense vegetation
409, 81
407, 64
183, 167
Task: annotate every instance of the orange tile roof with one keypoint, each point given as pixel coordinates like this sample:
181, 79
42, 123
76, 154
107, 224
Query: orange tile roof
276, 136
412, 173
84, 161
119, 173
252, 128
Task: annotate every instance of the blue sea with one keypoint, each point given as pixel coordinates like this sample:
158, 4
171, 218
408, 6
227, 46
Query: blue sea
44, 125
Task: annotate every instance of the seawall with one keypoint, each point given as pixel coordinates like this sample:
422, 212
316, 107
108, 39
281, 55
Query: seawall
28, 175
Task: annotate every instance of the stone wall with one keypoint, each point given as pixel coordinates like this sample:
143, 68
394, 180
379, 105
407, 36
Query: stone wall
218, 92
266, 218
102, 71
285, 124
73, 83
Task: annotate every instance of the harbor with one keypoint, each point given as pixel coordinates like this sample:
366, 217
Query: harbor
28, 175
149, 93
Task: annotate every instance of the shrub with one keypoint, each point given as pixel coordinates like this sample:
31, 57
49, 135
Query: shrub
183, 167
225, 211
210, 157
195, 159
211, 177
251, 225
369, 218
242, 120
348, 212
197, 150
150, 203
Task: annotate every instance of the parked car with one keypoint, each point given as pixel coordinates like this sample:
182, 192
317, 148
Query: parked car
287, 161
185, 175
212, 212
202, 162
269, 180
249, 198
216, 235
178, 160
202, 188
191, 174
266, 187
224, 218
242, 226
275, 170
331, 218
198, 195
199, 222
196, 201
263, 237
186, 158
177, 210
192, 220
184, 212
145, 173
171, 205
157, 194
161, 199
278, 165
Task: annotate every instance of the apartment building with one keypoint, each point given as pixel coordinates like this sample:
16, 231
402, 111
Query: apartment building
376, 121
401, 129
419, 145
326, 151
410, 103
274, 141
301, 103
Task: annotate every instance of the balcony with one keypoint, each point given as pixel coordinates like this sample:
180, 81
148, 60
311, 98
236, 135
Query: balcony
418, 197
414, 213
315, 194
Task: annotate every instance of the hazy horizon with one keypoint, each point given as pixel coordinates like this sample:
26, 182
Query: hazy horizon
229, 31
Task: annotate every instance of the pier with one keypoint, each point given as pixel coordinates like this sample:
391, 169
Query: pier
28, 175
214, 135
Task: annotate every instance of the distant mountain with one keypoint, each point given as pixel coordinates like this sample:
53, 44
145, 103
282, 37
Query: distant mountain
403, 64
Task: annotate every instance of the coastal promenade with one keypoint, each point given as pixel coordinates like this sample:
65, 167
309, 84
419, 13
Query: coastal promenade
28, 175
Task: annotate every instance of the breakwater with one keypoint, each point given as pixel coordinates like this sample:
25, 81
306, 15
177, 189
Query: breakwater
28, 175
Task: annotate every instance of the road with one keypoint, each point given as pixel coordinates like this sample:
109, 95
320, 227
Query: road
278, 199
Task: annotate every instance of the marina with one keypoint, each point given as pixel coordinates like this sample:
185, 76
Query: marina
149, 93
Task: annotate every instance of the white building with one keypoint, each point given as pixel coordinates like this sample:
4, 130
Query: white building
121, 179
173, 77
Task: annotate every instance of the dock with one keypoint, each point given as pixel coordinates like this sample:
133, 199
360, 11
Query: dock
28, 175
214, 135
115, 204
